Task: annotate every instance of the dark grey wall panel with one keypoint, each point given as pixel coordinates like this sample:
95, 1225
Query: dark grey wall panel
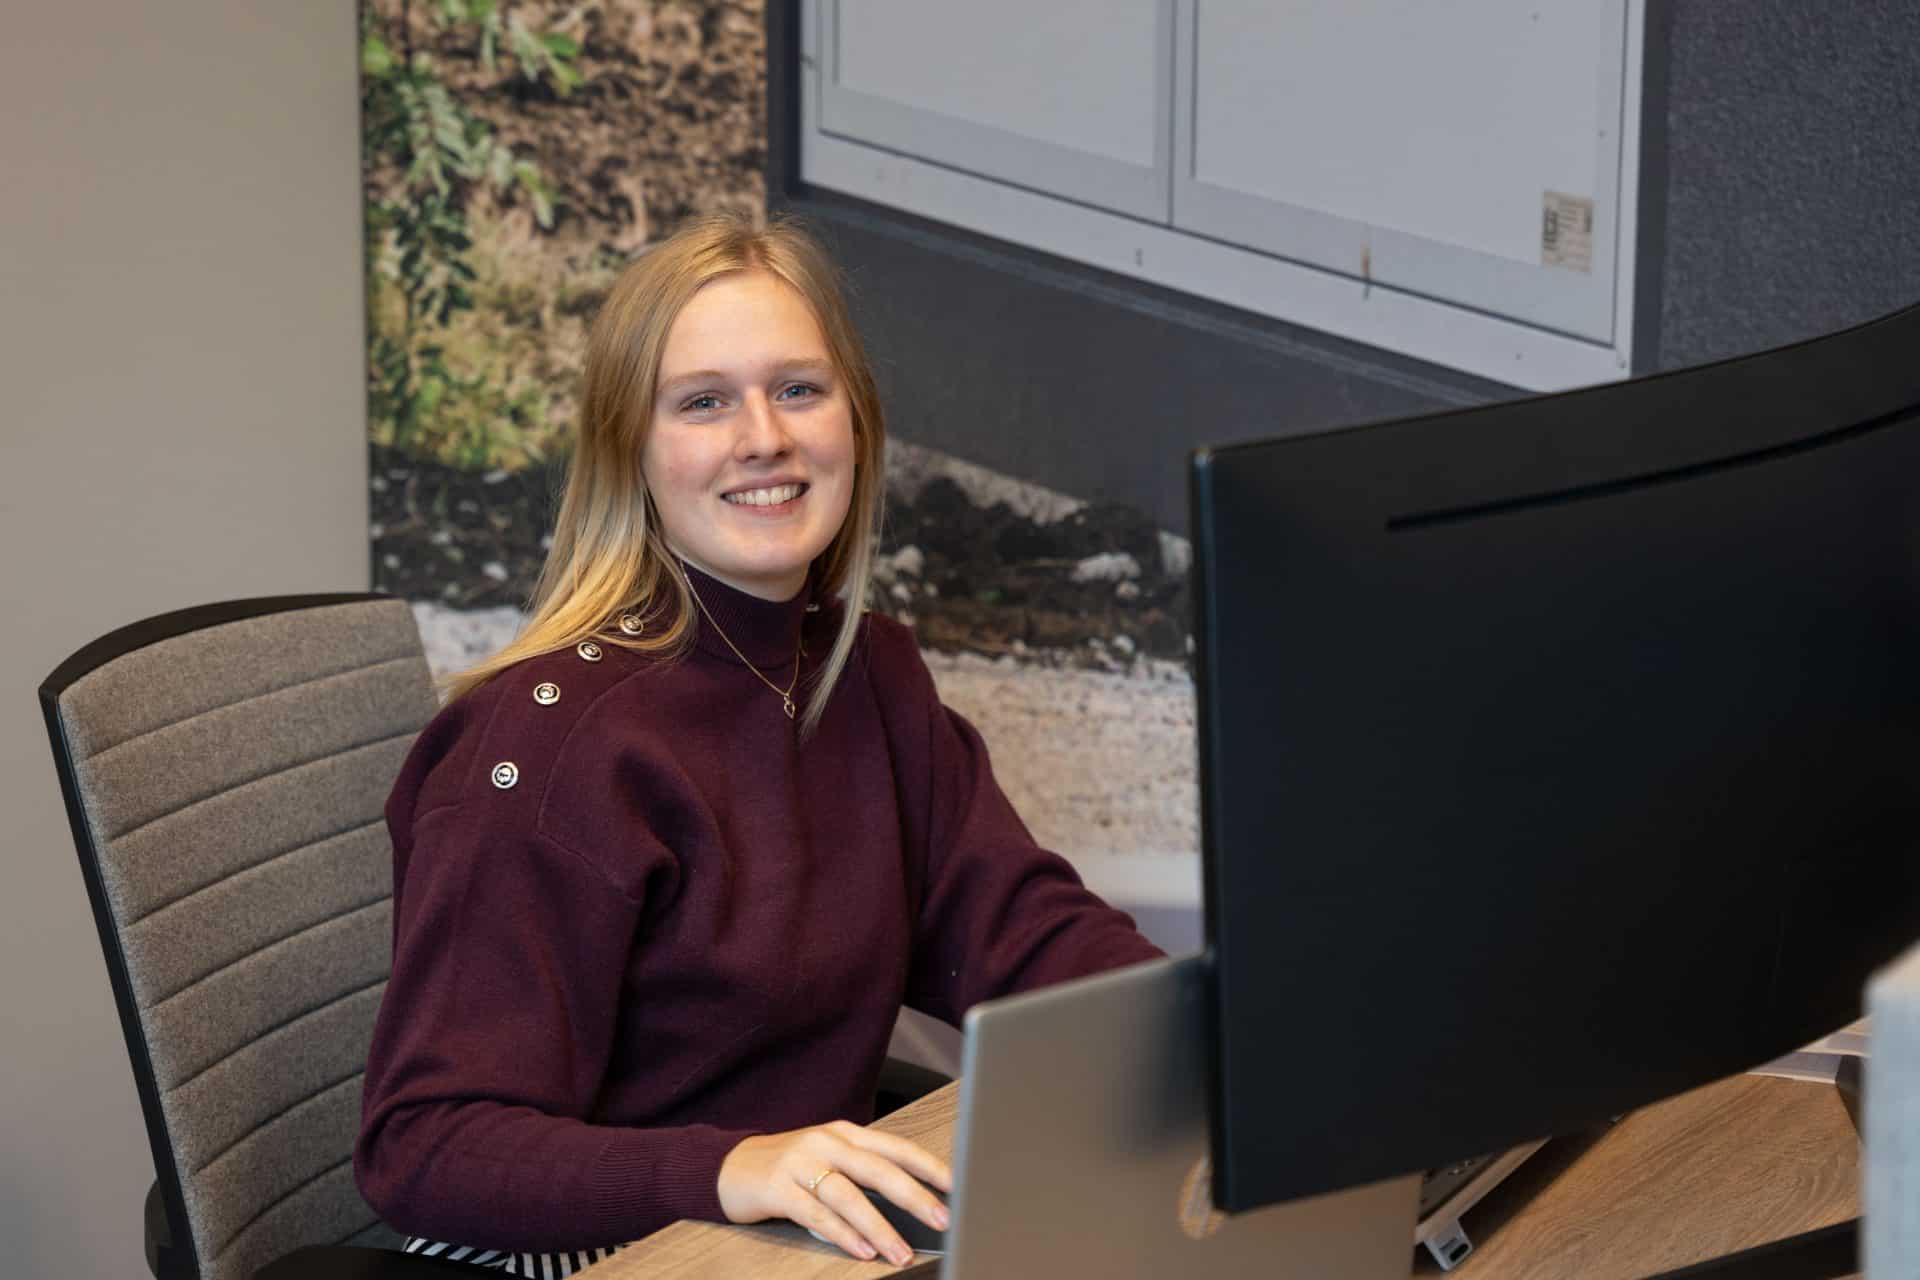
1792, 172
1087, 383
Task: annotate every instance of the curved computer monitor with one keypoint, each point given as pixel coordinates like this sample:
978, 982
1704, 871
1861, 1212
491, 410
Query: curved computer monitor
1556, 755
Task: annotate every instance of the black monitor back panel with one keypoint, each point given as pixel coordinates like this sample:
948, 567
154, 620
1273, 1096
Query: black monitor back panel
1556, 756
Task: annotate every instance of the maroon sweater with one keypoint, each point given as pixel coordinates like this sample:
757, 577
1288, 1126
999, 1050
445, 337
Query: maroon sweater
680, 926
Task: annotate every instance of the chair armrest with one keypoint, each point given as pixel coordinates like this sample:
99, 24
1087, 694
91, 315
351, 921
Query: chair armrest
163, 1260
902, 1082
352, 1262
315, 1262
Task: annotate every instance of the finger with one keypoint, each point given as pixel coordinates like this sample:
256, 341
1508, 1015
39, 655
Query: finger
816, 1216
909, 1155
896, 1184
840, 1194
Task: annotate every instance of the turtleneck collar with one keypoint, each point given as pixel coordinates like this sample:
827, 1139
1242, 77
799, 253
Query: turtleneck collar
766, 631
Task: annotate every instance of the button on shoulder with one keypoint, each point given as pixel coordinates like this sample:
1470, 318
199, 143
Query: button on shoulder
536, 706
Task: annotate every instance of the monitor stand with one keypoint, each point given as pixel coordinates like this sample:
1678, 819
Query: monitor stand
1439, 1227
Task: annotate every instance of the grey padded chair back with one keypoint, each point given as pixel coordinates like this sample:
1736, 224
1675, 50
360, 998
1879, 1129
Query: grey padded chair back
225, 770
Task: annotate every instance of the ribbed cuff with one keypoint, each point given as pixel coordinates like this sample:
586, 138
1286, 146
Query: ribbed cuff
646, 1179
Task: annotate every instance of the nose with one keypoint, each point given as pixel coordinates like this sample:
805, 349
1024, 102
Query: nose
762, 433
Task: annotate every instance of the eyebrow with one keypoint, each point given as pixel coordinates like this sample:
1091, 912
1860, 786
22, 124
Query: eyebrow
798, 364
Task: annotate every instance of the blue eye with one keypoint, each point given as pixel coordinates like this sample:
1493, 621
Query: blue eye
702, 403
801, 386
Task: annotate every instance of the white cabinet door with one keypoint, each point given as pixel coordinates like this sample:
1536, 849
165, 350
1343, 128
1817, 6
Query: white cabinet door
1466, 153
1068, 97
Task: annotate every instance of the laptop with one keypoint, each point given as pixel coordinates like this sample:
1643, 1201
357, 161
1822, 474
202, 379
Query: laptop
1081, 1149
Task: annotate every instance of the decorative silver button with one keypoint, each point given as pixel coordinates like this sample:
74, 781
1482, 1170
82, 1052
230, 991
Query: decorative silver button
546, 694
630, 623
588, 650
505, 774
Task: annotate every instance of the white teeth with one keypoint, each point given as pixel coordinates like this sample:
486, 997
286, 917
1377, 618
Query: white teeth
764, 497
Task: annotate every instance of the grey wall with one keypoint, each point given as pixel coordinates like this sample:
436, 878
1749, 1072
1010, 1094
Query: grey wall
181, 420
1791, 171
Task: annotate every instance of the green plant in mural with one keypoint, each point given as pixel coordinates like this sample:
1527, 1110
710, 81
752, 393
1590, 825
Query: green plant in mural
547, 54
418, 238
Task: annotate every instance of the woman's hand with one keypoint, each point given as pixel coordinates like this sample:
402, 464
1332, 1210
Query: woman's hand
769, 1176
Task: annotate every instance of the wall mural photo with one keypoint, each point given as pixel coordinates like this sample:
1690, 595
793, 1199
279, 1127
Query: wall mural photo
515, 157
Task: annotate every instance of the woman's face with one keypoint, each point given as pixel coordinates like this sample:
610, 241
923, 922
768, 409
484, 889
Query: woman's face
750, 455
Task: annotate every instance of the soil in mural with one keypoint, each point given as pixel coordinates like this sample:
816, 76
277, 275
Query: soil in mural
516, 157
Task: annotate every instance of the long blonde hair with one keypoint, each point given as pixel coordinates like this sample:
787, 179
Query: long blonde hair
609, 555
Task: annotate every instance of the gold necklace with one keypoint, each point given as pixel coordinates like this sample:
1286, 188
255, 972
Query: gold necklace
786, 694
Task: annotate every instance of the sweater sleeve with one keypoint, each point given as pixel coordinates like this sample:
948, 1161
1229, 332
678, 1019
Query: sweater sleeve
997, 913
492, 1040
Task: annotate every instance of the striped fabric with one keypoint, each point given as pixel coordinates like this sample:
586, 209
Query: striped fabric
538, 1266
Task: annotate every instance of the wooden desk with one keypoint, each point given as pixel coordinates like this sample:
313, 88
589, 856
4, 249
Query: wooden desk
1735, 1164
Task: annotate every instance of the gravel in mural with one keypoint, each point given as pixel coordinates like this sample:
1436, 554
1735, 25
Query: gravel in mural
971, 560
516, 156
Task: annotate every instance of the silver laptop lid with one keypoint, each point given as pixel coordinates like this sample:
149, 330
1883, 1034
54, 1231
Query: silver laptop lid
1081, 1149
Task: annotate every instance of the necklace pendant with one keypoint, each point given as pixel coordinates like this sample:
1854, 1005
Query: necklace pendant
787, 704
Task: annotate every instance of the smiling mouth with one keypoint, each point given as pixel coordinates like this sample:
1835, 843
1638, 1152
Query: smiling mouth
771, 496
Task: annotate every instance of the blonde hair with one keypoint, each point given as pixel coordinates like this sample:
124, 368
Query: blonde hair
609, 555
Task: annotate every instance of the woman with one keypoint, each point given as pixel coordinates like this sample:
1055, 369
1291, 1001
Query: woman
667, 866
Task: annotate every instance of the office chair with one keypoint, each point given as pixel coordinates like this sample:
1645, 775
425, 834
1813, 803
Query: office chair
224, 769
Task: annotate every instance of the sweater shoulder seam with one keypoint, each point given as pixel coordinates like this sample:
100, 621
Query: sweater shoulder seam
567, 743
599, 873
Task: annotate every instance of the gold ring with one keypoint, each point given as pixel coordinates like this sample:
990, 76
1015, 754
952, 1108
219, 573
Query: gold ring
818, 1178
